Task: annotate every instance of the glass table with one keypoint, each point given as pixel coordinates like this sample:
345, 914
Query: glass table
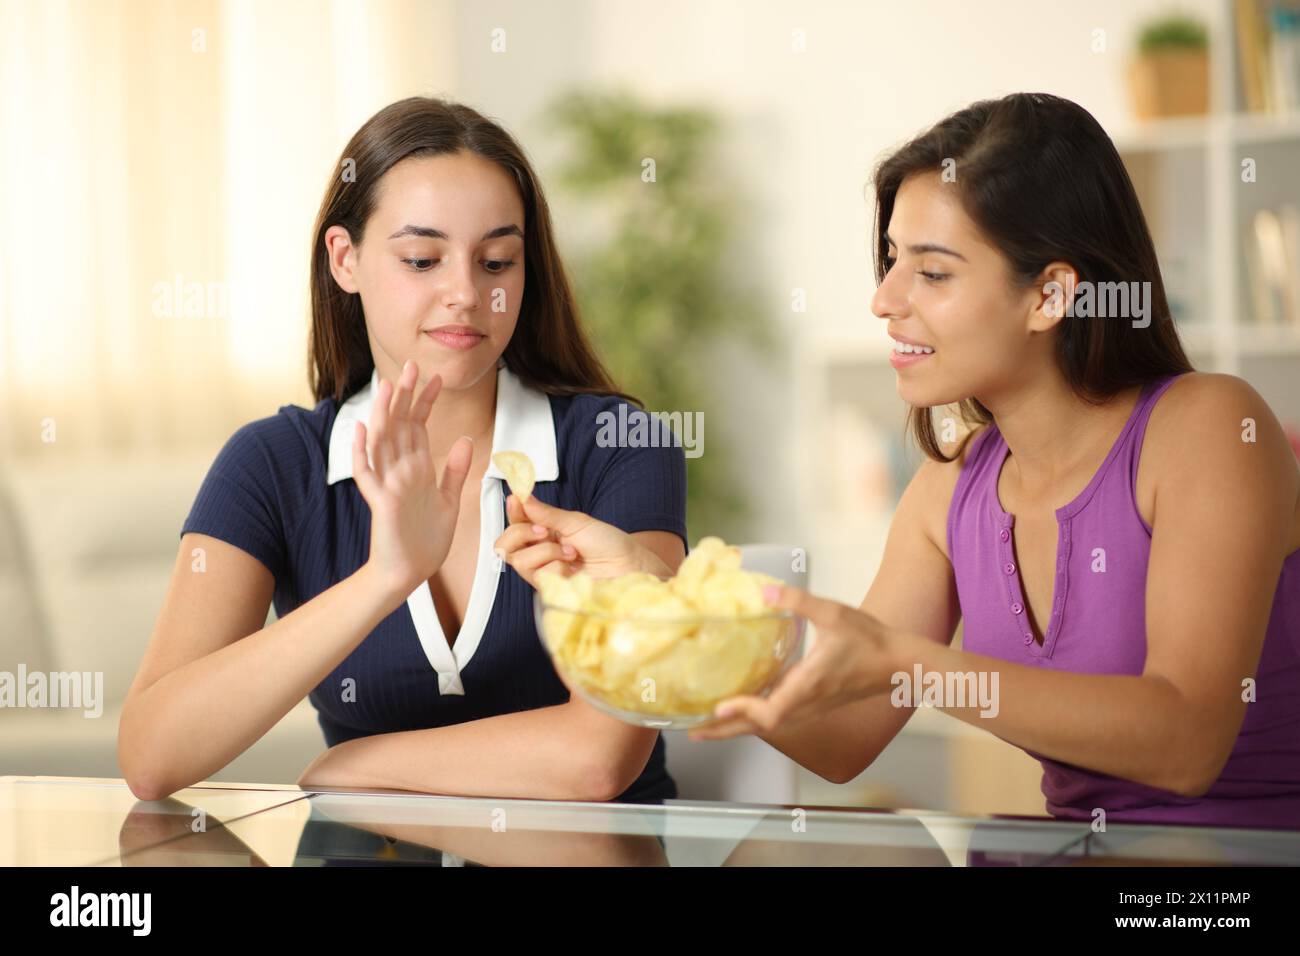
81, 821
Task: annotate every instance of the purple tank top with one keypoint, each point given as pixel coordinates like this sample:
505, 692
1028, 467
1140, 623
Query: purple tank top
1097, 625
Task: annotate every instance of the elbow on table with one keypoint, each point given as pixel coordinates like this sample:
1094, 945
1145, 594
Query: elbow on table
143, 783
605, 781
1192, 786
143, 779
1194, 777
838, 776
842, 772
139, 780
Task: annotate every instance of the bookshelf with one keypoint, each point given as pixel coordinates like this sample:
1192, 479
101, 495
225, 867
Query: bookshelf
1188, 174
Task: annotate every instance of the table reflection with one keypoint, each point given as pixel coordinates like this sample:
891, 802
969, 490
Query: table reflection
82, 821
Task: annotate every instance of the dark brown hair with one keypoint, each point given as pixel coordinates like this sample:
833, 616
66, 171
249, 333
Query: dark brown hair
549, 349
1042, 180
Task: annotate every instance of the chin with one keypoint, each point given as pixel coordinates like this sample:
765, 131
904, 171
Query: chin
916, 394
927, 395
457, 371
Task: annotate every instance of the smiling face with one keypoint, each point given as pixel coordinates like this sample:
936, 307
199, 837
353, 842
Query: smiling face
948, 288
440, 268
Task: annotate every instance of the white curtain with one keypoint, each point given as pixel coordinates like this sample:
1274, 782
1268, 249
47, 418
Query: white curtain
161, 164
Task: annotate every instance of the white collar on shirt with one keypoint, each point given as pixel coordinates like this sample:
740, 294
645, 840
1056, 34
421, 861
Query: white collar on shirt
523, 423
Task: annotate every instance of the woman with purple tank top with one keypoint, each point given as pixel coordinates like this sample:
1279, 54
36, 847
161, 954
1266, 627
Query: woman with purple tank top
1117, 533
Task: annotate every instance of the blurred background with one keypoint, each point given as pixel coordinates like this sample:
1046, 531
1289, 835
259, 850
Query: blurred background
163, 163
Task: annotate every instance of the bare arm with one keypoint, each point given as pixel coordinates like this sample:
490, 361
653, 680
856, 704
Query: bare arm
213, 680
570, 751
913, 591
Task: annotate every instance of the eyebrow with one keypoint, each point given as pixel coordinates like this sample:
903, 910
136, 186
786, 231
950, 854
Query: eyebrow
428, 232
924, 247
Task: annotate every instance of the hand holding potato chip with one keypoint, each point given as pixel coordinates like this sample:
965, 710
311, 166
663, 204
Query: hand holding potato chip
541, 535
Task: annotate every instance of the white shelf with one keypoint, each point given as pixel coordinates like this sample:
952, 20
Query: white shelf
1265, 128
1176, 132
1279, 339
1197, 132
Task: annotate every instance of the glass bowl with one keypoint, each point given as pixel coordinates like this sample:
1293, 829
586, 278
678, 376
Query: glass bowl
667, 672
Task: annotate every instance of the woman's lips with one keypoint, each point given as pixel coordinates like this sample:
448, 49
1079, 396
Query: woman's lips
455, 340
904, 359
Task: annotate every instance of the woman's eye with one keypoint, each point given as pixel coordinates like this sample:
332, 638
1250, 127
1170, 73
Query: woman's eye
889, 262
498, 265
420, 265
933, 276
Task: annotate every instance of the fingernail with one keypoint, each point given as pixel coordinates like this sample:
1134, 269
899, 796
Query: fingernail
724, 711
568, 551
538, 529
771, 592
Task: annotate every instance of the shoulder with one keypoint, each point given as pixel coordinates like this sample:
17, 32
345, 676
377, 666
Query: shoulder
290, 441
622, 464
1194, 396
585, 414
601, 426
1217, 426
1210, 413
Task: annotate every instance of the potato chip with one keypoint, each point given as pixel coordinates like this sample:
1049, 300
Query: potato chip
519, 472
671, 648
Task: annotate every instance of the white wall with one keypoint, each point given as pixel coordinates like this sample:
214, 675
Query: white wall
803, 131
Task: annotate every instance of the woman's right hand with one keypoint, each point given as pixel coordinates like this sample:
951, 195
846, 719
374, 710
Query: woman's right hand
412, 515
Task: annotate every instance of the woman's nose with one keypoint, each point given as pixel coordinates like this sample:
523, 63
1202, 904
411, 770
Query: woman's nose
890, 298
460, 291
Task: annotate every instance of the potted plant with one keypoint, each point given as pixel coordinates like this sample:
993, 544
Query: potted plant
653, 276
1170, 76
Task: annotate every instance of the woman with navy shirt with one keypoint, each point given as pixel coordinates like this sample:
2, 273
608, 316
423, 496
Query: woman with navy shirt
443, 330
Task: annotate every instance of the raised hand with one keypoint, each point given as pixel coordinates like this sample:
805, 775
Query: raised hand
412, 514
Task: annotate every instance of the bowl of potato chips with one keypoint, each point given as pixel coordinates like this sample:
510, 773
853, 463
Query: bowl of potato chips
664, 652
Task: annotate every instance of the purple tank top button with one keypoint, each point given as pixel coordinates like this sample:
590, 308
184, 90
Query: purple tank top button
1016, 608
1004, 534
1009, 568
1028, 639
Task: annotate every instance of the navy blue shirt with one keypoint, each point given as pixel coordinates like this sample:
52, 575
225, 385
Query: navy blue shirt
267, 493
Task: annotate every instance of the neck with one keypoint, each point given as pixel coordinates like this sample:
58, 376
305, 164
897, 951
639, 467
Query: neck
1051, 433
466, 411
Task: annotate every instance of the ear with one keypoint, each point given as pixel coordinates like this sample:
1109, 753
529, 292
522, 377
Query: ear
342, 258
1053, 295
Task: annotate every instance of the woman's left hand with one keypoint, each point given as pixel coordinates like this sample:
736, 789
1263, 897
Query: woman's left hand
853, 656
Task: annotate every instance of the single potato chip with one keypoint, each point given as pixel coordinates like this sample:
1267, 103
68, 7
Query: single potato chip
519, 471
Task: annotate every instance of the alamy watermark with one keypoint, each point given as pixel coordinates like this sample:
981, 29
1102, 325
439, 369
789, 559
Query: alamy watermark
946, 689
634, 428
57, 689
1116, 300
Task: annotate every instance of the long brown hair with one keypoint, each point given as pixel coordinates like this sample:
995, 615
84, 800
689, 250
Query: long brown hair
549, 349
1040, 177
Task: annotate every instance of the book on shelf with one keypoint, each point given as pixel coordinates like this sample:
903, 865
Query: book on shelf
1272, 252
1268, 48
